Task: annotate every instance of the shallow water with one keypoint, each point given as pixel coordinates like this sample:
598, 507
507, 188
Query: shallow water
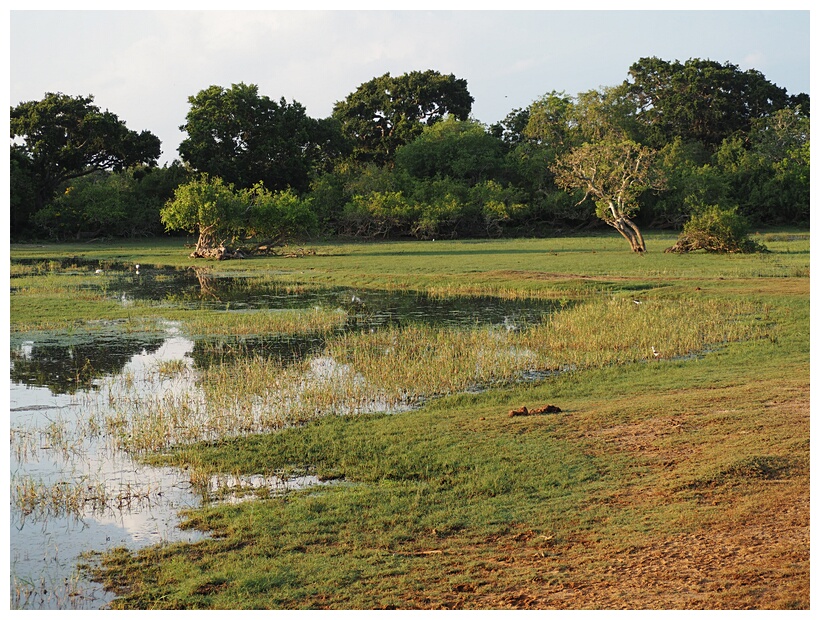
47, 540
61, 386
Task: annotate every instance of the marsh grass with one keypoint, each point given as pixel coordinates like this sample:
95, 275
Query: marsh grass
671, 482
397, 368
48, 296
306, 321
170, 368
40, 500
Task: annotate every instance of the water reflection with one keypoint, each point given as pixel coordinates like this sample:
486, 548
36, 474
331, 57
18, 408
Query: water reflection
283, 349
65, 367
67, 364
71, 492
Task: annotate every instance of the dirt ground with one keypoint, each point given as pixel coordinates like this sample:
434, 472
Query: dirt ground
753, 553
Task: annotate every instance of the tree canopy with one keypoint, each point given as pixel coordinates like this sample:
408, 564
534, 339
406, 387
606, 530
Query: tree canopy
388, 112
221, 214
402, 156
452, 148
613, 172
62, 137
246, 138
702, 100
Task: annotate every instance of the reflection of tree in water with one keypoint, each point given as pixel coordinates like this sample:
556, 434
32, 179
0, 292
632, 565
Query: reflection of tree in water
201, 285
283, 349
207, 284
65, 368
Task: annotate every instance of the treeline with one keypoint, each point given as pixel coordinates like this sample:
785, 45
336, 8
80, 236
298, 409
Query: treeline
402, 157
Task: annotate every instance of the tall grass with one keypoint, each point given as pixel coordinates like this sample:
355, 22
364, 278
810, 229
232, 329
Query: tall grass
397, 368
302, 321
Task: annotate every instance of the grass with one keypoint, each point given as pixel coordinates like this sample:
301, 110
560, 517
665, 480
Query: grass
290, 322
400, 367
672, 483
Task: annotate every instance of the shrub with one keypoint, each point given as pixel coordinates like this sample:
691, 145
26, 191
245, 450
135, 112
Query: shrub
716, 229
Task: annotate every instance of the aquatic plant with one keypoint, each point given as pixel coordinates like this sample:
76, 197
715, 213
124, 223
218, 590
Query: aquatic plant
399, 367
299, 321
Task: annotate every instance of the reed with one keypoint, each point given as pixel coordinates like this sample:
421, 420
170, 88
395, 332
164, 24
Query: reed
397, 368
303, 321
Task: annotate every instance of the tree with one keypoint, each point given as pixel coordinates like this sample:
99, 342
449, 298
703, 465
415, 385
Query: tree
222, 215
209, 207
691, 180
768, 171
551, 122
511, 130
90, 206
702, 100
278, 216
453, 148
614, 172
111, 204
245, 138
23, 199
387, 111
62, 138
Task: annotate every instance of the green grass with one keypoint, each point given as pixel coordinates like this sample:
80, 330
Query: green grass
681, 482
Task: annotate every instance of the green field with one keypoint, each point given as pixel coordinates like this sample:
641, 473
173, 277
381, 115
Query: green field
672, 482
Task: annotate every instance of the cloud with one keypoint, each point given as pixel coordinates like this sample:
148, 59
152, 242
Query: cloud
143, 65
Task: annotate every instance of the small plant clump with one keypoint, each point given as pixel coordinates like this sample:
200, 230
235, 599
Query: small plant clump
718, 230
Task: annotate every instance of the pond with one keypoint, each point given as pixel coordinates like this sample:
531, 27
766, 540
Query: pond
74, 489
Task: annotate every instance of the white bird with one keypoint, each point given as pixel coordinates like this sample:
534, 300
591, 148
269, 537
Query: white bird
355, 300
636, 302
655, 353
99, 271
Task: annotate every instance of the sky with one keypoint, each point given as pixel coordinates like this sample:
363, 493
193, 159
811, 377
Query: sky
144, 65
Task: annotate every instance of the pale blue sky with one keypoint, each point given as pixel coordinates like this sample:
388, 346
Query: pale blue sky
143, 65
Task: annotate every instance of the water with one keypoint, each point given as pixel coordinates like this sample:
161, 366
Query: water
62, 386
51, 451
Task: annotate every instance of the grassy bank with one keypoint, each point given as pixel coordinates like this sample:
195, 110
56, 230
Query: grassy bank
680, 481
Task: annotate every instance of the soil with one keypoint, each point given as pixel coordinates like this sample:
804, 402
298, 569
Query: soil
751, 552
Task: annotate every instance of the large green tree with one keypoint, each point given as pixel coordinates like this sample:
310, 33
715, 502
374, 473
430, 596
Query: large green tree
702, 100
118, 204
453, 148
387, 112
768, 170
208, 207
222, 214
61, 137
246, 138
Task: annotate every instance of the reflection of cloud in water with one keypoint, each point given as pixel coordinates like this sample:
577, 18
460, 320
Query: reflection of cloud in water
149, 525
46, 546
175, 348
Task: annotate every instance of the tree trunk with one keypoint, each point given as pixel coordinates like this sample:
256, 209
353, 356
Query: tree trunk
630, 232
206, 241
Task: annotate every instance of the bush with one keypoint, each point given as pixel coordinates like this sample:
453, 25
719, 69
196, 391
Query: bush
716, 229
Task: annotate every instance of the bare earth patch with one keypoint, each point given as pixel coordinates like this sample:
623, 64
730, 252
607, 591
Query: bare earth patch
746, 547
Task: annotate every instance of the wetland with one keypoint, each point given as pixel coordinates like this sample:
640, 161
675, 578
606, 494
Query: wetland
74, 488
155, 402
